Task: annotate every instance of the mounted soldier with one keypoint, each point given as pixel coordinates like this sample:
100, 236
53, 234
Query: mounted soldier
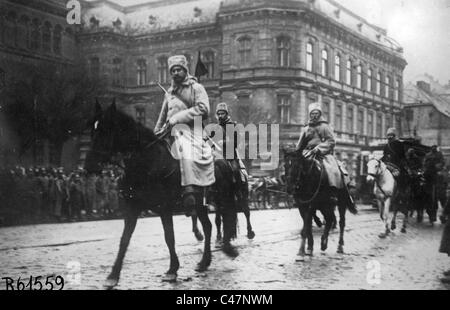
185, 101
238, 167
317, 140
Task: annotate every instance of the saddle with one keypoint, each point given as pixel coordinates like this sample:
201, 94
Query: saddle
394, 169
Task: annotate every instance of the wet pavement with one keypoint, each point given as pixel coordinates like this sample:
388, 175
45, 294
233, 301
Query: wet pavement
83, 254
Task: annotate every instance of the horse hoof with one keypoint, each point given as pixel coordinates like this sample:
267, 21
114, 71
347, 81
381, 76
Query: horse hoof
340, 250
393, 226
309, 253
202, 267
198, 235
300, 258
251, 235
403, 230
110, 283
169, 277
230, 251
382, 235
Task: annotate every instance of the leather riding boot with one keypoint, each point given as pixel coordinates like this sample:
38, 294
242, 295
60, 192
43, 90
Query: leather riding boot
189, 200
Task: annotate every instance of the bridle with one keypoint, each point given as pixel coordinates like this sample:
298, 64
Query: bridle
317, 190
377, 174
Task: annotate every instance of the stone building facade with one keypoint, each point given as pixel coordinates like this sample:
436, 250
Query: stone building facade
276, 55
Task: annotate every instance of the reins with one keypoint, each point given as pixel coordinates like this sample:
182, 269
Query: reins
316, 192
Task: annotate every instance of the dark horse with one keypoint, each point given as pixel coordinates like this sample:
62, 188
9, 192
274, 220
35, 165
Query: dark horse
152, 181
307, 182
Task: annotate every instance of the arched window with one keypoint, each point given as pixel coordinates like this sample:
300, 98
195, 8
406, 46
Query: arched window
208, 60
162, 69
378, 84
397, 90
350, 119
337, 68
309, 56
46, 37
359, 76
94, 65
284, 107
348, 72
369, 80
324, 63
388, 120
244, 51
283, 51
141, 72
57, 37
35, 35
116, 71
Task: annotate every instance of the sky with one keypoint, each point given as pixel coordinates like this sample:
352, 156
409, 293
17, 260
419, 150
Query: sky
421, 27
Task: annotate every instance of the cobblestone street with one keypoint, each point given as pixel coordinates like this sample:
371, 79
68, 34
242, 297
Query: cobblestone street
405, 261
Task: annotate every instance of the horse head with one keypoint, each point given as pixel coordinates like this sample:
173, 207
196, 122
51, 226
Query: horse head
374, 169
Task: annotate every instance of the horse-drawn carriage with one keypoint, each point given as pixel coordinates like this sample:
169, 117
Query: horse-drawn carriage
268, 192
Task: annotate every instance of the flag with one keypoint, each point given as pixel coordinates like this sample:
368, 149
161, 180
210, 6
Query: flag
200, 69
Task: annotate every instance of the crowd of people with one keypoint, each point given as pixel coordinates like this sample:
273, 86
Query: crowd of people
44, 195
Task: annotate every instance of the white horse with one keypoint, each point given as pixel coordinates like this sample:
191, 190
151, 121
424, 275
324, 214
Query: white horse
385, 188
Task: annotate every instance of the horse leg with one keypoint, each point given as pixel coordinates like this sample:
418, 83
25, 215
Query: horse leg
342, 211
329, 215
384, 211
195, 229
131, 216
202, 213
301, 252
394, 219
250, 232
169, 236
218, 221
309, 250
405, 222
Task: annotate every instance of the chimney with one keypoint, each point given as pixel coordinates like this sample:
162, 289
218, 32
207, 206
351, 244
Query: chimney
424, 86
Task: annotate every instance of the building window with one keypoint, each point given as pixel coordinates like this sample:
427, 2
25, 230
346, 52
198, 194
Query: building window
378, 84
2, 78
95, 67
369, 80
116, 73
162, 69
350, 119
283, 51
359, 77
370, 124
388, 87
140, 116
348, 72
388, 120
326, 110
244, 51
46, 37
10, 31
35, 35
324, 62
398, 125
337, 68
379, 125
141, 72
208, 58
309, 57
397, 90
361, 122
57, 37
284, 107
338, 117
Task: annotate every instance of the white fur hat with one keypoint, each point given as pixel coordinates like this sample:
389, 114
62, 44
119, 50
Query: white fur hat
315, 106
178, 60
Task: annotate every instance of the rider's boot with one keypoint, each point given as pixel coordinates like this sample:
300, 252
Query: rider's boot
190, 197
347, 200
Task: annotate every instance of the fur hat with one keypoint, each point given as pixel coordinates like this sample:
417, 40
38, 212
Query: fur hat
222, 107
391, 131
315, 106
178, 60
